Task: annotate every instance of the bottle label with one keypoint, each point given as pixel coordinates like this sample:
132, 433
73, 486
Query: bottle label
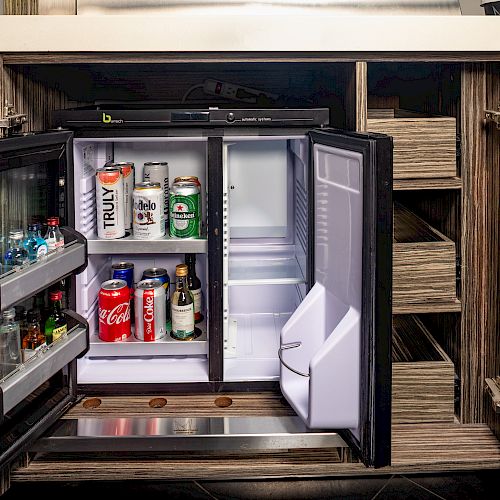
58, 332
197, 303
182, 321
51, 242
59, 244
29, 353
41, 251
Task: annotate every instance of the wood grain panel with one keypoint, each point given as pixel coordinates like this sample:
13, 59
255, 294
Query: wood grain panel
427, 184
20, 7
428, 306
361, 96
477, 200
422, 375
492, 341
202, 405
423, 261
423, 147
415, 448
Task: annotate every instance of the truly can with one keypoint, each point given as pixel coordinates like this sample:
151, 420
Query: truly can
127, 171
149, 298
157, 171
114, 311
148, 219
160, 274
185, 216
110, 203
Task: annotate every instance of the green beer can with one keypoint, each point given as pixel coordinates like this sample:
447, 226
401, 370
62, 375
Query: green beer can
185, 216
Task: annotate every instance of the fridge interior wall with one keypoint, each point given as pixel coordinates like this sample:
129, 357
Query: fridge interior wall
133, 361
266, 247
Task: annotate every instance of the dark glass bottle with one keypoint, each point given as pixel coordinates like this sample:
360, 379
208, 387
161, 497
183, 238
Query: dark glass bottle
56, 324
33, 339
194, 285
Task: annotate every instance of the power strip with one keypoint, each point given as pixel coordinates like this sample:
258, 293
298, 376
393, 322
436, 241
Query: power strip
236, 92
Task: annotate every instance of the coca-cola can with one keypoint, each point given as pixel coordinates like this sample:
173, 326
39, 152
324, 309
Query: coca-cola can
110, 203
149, 298
114, 311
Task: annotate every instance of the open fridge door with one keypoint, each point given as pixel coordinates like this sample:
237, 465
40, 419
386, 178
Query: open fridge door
335, 349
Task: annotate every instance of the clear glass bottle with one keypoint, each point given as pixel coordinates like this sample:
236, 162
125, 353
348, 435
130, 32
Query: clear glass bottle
10, 343
54, 237
33, 339
35, 245
194, 285
182, 304
16, 255
56, 324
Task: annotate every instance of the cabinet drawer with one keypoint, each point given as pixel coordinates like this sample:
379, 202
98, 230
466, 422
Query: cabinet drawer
424, 261
424, 146
422, 375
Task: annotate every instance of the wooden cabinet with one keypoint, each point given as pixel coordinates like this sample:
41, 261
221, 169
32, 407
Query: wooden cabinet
447, 192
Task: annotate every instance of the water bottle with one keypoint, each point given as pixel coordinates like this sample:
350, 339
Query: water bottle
10, 343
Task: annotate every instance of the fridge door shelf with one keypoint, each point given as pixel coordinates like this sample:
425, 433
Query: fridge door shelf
130, 245
17, 285
16, 386
166, 346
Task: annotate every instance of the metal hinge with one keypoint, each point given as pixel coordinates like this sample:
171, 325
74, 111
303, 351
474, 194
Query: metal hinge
493, 116
12, 121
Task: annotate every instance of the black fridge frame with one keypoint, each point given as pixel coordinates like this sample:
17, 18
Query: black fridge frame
374, 444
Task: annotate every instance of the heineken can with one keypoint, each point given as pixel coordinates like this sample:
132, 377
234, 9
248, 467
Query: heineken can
185, 213
148, 217
156, 171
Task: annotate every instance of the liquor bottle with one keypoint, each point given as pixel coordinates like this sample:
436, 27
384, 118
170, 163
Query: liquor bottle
54, 237
16, 255
10, 352
35, 245
182, 306
56, 324
33, 339
194, 285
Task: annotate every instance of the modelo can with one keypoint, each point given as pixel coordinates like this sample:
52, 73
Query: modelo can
110, 203
185, 210
114, 311
149, 298
157, 171
148, 219
127, 171
160, 274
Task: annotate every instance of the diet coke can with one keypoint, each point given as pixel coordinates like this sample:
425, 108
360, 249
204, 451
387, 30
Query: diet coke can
114, 311
110, 203
150, 310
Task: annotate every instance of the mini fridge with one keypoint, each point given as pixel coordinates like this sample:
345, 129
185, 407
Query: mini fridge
295, 261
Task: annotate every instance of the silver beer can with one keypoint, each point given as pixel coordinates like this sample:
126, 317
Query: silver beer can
110, 203
149, 300
128, 174
149, 218
157, 171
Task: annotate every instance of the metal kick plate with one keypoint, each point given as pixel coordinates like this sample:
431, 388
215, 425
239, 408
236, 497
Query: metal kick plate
163, 434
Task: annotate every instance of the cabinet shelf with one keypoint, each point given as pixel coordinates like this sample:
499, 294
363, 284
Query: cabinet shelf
29, 280
427, 184
132, 347
130, 245
427, 306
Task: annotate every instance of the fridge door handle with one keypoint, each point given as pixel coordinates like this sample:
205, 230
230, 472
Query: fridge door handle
284, 347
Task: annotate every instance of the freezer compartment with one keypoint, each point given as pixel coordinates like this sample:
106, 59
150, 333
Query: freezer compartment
256, 315
185, 156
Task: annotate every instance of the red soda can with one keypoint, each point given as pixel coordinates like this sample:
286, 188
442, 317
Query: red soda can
114, 311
